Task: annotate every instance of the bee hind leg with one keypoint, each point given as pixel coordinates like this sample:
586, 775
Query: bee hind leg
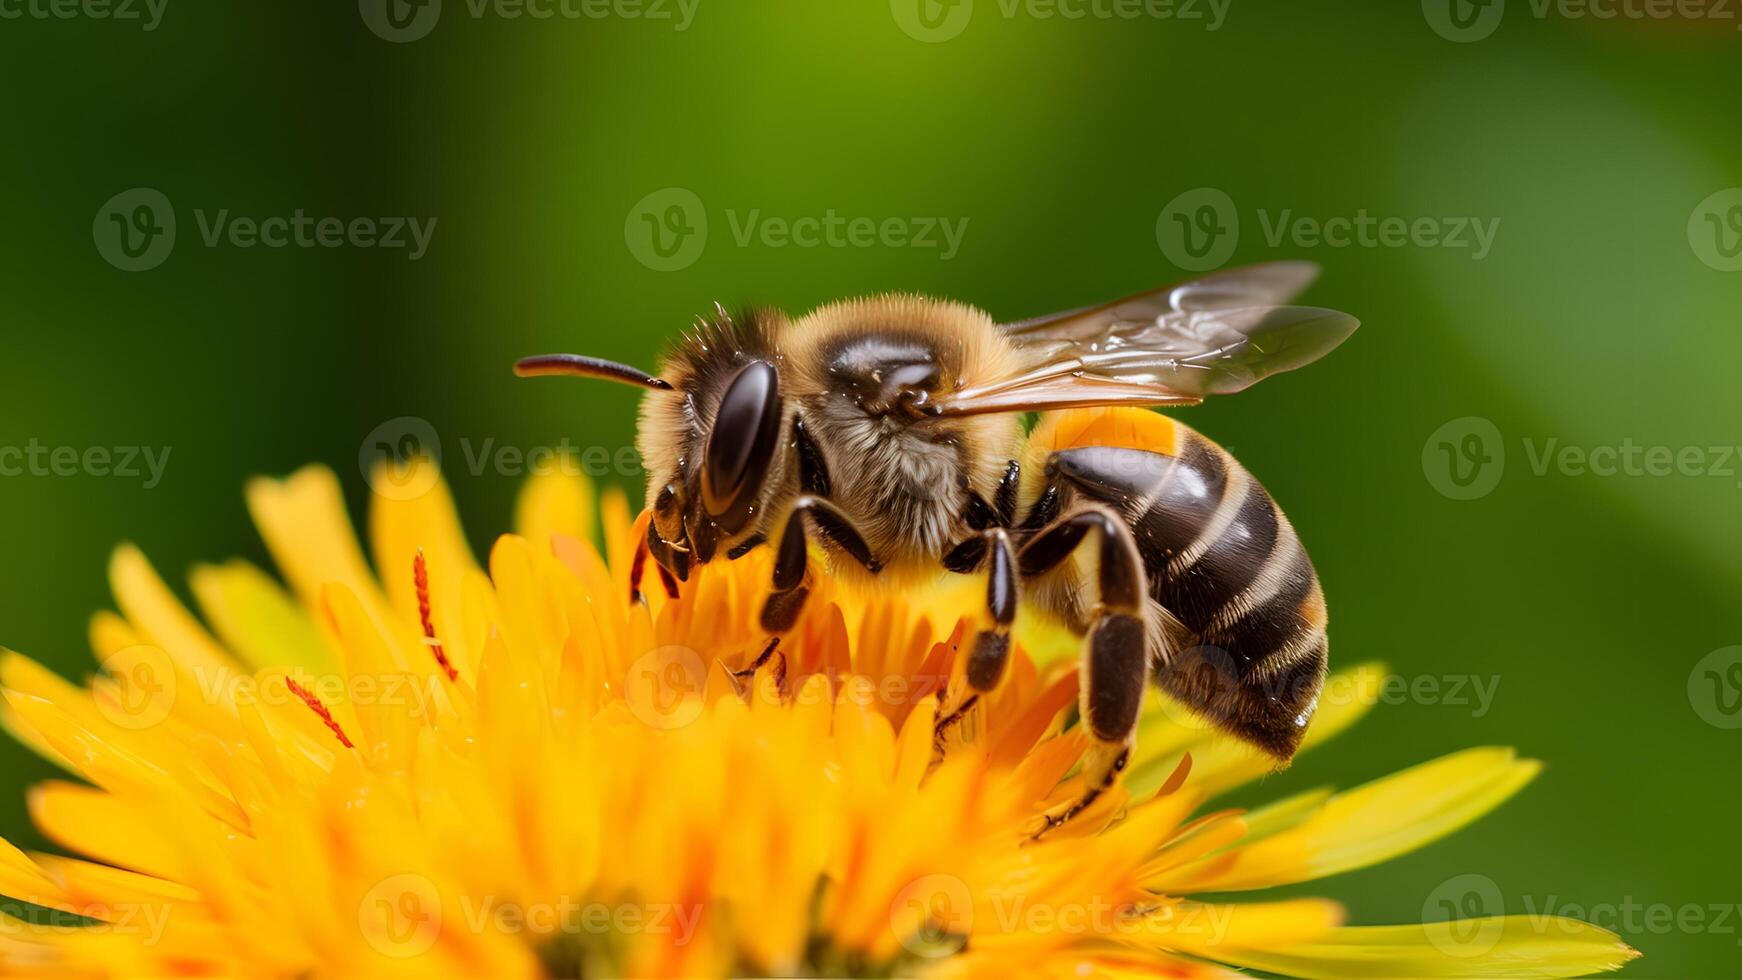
1115, 668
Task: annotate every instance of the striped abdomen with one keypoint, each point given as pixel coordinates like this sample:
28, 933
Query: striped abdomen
1249, 648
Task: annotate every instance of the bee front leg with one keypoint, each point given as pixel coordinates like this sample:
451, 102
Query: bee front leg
653, 544
748, 545
1115, 662
791, 558
780, 611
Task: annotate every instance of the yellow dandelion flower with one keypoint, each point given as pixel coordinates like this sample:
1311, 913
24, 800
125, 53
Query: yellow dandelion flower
516, 771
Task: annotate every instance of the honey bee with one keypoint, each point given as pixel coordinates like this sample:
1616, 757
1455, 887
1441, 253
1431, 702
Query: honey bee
888, 431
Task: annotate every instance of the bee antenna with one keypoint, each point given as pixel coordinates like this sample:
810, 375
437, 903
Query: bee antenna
580, 366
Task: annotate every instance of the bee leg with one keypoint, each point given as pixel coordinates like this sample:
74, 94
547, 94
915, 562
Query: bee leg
791, 557
940, 729
664, 559
1004, 501
666, 580
637, 567
991, 649
761, 658
980, 515
746, 546
1115, 663
992, 646
741, 677
813, 471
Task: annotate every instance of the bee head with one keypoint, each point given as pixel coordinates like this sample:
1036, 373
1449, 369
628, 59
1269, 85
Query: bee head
737, 458
709, 497
710, 439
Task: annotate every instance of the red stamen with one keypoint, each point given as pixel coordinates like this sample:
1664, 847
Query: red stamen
420, 575
319, 709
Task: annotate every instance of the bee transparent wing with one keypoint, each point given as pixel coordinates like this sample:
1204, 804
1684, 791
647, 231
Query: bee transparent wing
1172, 346
1268, 284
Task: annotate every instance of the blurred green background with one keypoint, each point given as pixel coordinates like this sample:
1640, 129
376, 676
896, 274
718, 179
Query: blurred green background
1595, 609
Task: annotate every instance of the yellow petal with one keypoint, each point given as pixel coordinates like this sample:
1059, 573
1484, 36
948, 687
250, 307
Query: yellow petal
399, 527
164, 621
1365, 826
557, 500
531, 615
258, 619
310, 536
143, 762
20, 673
1284, 814
105, 827
617, 520
1219, 761
1210, 929
1515, 946
88, 882
21, 878
134, 667
387, 697
1102, 963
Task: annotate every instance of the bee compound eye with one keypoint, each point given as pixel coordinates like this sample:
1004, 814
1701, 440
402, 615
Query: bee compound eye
741, 444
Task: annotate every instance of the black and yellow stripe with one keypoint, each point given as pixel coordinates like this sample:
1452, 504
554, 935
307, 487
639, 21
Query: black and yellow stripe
1222, 560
